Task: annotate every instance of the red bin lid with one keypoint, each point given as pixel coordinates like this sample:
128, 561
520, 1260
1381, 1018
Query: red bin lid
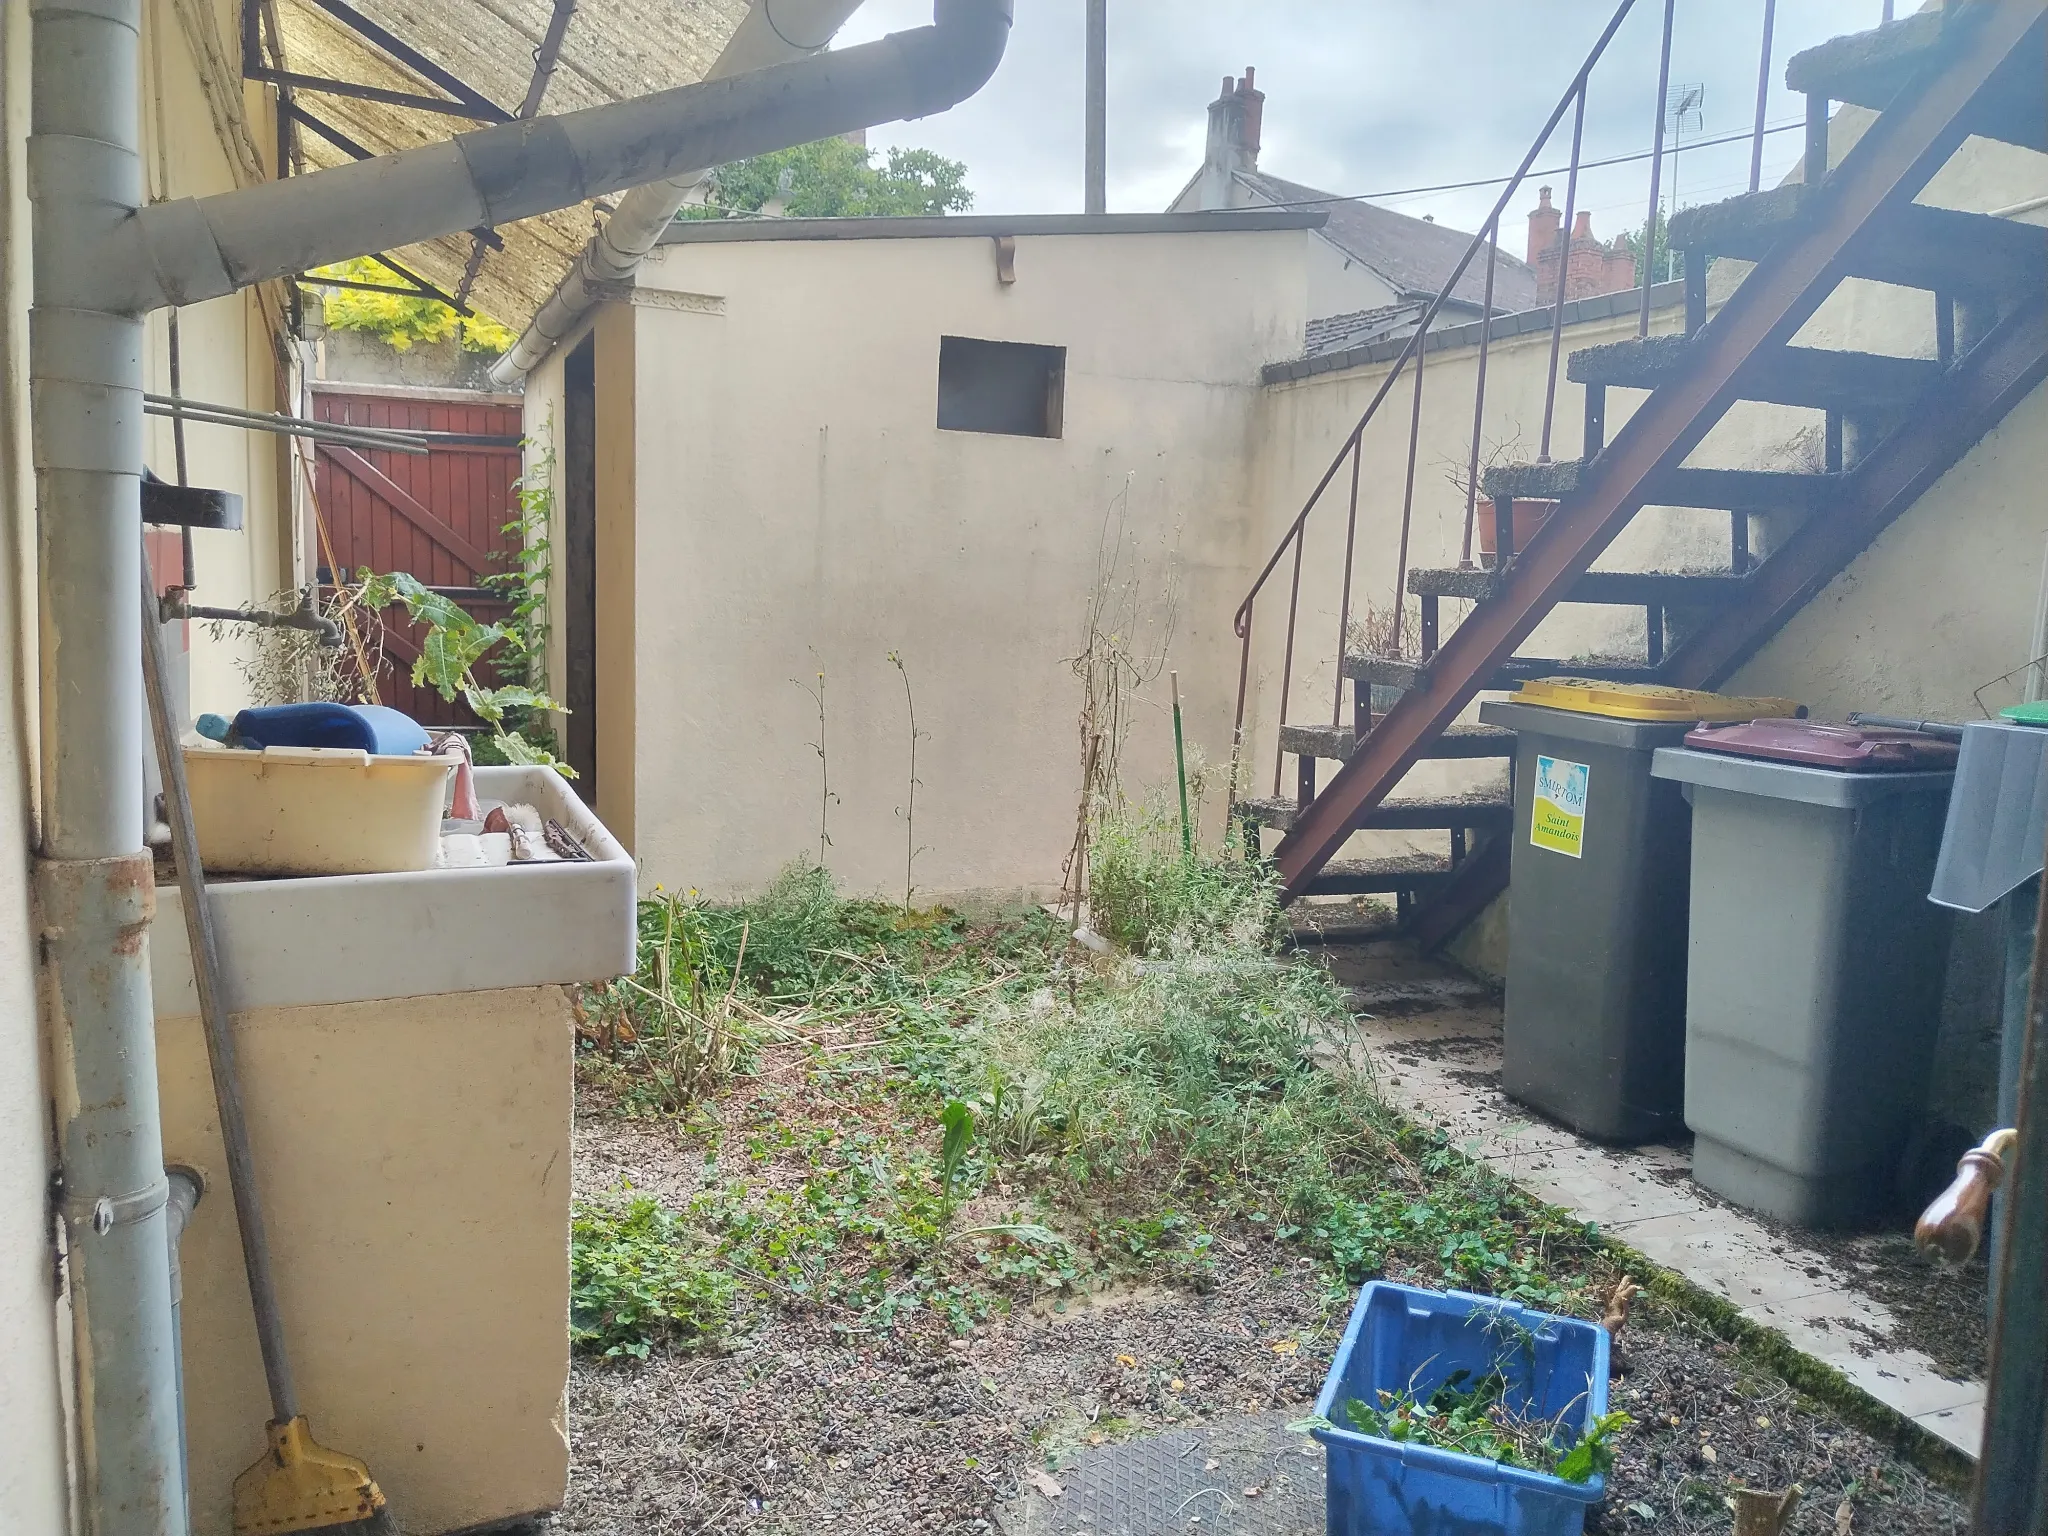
1822, 744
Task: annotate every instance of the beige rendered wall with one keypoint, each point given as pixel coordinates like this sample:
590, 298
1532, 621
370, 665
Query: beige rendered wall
799, 511
33, 1494
414, 1158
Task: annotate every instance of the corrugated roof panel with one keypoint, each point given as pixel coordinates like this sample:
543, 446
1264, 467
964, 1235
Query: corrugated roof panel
614, 50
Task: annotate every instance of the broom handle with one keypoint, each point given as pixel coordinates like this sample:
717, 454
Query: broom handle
220, 1044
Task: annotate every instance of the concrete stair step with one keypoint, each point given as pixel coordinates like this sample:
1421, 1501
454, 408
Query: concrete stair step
1729, 490
1335, 742
1916, 246
1813, 377
1487, 809
1672, 589
1416, 873
1870, 69
1407, 674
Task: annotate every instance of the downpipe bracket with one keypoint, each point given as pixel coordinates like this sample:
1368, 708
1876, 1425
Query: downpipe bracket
100, 1214
80, 899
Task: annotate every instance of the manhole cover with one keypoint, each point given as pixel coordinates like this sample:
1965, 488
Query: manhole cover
1247, 1476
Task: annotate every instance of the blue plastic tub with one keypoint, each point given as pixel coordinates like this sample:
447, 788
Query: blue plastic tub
1402, 1338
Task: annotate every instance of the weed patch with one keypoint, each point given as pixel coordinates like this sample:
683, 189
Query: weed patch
637, 1280
1146, 893
906, 1112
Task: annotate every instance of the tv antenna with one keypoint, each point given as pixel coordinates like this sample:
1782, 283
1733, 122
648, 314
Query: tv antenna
1684, 112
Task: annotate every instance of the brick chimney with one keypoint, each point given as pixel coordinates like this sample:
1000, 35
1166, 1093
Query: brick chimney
1235, 117
1595, 268
1545, 223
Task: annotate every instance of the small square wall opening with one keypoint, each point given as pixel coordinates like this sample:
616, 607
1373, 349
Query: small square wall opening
1010, 387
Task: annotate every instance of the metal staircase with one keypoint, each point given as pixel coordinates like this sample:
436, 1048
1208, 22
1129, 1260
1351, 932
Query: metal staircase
1893, 426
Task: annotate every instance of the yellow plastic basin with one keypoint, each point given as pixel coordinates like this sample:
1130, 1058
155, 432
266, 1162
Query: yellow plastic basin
315, 810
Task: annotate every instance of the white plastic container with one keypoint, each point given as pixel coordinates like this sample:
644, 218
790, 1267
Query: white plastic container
316, 810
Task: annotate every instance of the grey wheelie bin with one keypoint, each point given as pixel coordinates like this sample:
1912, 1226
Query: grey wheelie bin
1594, 1031
1815, 971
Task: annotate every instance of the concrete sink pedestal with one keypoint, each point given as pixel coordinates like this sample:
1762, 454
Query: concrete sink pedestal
406, 1047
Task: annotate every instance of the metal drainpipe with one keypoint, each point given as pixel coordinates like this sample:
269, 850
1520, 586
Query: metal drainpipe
199, 248
102, 261
186, 1186
766, 36
93, 880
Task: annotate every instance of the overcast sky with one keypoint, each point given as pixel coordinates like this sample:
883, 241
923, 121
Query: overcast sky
1367, 97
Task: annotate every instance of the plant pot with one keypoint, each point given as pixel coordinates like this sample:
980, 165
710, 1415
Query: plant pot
1530, 514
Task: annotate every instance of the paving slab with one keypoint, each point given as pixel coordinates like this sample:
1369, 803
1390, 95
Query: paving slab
1442, 1066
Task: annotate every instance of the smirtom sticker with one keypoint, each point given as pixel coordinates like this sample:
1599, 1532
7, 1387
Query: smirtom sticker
1557, 820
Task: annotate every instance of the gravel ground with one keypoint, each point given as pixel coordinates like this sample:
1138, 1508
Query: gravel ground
803, 1430
800, 1428
1706, 1423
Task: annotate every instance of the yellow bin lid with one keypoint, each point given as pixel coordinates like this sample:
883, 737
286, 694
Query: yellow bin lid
1648, 701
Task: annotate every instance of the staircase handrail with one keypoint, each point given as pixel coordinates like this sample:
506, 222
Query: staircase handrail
1488, 238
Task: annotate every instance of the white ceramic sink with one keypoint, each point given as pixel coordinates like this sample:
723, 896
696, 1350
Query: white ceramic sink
354, 938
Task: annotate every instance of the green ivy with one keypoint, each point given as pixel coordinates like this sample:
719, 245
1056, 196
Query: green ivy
400, 319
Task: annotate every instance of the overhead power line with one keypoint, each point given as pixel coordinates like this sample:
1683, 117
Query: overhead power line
1556, 170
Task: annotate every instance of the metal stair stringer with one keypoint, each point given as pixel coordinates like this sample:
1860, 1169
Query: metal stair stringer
1972, 398
1897, 156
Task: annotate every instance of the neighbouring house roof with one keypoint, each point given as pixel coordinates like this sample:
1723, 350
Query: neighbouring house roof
1391, 345
613, 50
991, 226
1414, 256
1340, 333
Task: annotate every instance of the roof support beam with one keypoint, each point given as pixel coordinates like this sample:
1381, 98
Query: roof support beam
544, 58
421, 288
328, 131
404, 53
463, 100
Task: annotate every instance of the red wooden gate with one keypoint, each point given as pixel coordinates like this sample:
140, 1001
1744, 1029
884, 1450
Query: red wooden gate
439, 517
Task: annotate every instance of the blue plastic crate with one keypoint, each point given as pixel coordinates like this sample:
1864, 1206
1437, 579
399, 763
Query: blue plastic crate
1403, 1338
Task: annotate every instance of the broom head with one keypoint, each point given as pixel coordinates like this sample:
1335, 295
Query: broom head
302, 1486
